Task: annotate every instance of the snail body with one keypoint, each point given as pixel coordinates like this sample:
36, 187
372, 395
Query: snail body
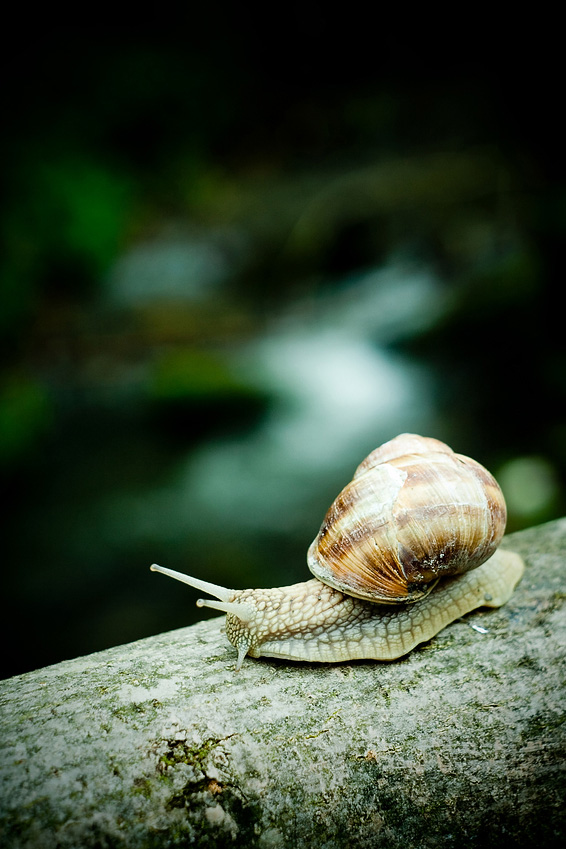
408, 546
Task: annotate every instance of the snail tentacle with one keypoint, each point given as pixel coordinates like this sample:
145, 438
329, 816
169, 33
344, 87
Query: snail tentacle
226, 597
221, 593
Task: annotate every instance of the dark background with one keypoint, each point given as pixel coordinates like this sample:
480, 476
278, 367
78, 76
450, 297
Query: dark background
237, 255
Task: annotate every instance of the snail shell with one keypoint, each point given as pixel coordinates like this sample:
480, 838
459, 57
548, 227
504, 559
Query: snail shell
408, 546
414, 512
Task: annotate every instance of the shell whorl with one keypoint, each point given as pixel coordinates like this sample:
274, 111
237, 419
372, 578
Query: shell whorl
414, 512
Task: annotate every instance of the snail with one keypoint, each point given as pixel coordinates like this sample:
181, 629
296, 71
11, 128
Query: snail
408, 546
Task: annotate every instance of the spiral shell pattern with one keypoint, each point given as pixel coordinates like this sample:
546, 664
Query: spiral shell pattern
414, 512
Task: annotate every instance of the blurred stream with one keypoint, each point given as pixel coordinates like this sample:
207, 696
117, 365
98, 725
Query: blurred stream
336, 392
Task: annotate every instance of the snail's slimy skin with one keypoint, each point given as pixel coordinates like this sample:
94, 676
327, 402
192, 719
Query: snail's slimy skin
313, 622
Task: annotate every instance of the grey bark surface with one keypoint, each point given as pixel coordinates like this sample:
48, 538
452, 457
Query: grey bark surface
159, 743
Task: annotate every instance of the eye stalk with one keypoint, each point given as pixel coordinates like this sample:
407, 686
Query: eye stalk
225, 603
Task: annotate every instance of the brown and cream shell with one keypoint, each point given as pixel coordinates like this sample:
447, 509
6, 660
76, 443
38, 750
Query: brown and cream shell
414, 512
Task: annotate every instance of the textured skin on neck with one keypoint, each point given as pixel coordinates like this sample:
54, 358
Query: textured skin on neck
283, 611
313, 622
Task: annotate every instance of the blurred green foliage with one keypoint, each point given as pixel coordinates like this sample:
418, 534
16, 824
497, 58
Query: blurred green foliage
195, 393
26, 416
195, 376
63, 231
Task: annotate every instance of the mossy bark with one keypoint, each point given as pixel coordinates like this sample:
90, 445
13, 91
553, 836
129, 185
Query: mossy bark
159, 743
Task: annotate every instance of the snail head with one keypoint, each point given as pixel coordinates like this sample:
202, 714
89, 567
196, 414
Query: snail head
240, 614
